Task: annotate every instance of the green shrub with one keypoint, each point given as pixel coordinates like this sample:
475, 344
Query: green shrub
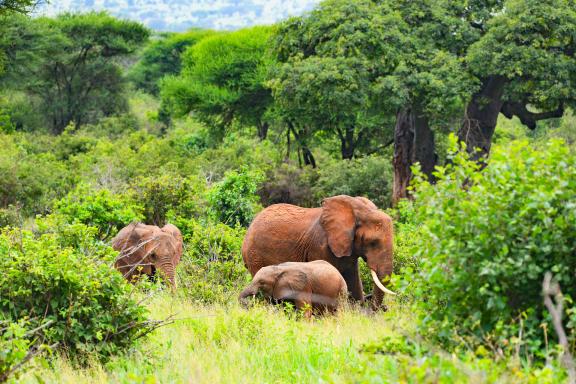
29, 180
212, 269
90, 304
102, 209
234, 200
169, 196
369, 176
488, 237
236, 152
18, 345
289, 184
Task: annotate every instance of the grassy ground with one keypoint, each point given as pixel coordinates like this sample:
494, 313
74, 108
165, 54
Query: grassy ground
218, 344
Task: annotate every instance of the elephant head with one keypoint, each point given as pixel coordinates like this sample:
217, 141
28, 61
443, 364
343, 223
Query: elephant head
355, 227
147, 249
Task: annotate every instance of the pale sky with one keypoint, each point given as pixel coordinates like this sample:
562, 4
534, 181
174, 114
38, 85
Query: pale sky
178, 15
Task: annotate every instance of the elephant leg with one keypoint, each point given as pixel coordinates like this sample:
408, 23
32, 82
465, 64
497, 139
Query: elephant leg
352, 278
304, 303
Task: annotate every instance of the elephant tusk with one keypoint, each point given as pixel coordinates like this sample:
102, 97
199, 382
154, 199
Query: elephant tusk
379, 283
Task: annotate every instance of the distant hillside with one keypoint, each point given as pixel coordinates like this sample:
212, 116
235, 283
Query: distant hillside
179, 15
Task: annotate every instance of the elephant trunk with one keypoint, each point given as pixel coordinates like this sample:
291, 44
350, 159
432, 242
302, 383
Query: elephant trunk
379, 288
251, 290
167, 270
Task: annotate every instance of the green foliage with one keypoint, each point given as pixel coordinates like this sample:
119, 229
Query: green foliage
46, 279
6, 124
233, 200
223, 79
212, 269
16, 6
489, 237
539, 72
288, 183
163, 57
169, 196
369, 176
102, 209
69, 64
330, 60
29, 180
392, 345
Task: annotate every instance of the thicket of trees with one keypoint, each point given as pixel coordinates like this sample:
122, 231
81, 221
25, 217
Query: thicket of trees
103, 122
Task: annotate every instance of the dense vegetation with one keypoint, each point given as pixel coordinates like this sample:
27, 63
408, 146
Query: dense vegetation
103, 123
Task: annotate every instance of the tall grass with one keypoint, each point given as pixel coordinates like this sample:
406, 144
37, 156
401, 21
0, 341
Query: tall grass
227, 344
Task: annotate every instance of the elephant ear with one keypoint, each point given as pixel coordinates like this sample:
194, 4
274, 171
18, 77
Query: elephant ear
136, 239
123, 240
339, 223
291, 285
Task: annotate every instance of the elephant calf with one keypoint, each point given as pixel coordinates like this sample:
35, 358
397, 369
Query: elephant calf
145, 249
315, 285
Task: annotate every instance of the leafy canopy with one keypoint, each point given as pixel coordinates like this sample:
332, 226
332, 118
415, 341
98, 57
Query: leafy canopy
223, 79
70, 64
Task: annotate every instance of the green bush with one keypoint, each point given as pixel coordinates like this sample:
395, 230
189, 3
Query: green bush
488, 238
369, 176
102, 209
234, 200
212, 269
92, 309
18, 345
169, 196
288, 183
29, 180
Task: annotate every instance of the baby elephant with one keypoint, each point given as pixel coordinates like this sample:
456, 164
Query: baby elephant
314, 285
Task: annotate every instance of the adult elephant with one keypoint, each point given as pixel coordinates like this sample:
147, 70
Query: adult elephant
344, 229
147, 249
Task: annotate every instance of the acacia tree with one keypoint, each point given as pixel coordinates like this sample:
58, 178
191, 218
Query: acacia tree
71, 64
222, 81
163, 57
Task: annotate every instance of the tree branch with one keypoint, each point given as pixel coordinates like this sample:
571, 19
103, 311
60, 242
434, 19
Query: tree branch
550, 290
529, 119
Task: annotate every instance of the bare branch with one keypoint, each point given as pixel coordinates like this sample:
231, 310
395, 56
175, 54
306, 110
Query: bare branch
552, 289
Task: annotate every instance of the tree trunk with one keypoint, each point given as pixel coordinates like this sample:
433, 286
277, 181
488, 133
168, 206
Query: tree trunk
424, 145
403, 153
481, 117
413, 142
262, 130
287, 158
300, 139
347, 144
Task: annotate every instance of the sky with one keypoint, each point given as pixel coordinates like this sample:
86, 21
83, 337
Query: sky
179, 15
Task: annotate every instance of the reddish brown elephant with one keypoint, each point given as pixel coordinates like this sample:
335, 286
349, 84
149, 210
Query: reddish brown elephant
146, 249
341, 231
314, 286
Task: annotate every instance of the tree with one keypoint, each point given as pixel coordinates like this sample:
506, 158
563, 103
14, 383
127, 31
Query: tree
7, 8
222, 81
431, 84
163, 57
331, 60
16, 6
70, 64
524, 59
350, 66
